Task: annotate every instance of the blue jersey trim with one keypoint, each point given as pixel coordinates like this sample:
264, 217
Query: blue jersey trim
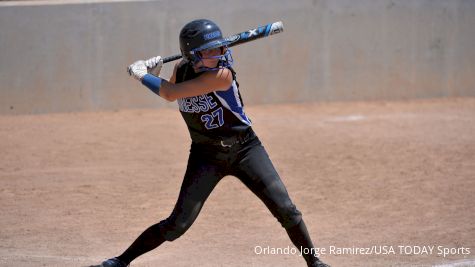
230, 100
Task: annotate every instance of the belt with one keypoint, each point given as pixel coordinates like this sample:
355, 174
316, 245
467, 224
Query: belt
238, 139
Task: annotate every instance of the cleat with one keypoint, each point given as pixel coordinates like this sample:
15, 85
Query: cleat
319, 263
113, 262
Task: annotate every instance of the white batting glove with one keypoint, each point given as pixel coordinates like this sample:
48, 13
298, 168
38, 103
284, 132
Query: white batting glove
137, 69
154, 65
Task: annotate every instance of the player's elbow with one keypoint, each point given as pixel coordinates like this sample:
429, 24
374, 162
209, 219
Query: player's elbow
170, 99
167, 95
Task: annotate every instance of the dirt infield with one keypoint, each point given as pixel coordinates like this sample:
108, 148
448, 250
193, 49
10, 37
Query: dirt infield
78, 188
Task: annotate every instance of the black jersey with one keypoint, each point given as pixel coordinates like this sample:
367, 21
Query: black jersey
212, 116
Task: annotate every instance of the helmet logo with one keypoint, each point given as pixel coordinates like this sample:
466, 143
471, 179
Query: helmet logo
212, 35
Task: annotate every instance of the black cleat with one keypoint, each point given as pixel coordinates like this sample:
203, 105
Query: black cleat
319, 263
113, 262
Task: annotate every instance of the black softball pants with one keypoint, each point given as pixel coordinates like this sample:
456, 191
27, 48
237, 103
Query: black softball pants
207, 165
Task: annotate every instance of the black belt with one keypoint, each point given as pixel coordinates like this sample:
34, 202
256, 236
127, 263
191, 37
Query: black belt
239, 138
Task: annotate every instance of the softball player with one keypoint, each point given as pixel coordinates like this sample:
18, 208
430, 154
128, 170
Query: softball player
223, 142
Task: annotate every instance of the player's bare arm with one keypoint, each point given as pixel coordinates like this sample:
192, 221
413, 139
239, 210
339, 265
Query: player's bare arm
173, 77
219, 80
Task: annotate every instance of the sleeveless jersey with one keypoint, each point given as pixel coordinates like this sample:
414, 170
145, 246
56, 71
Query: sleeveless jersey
213, 116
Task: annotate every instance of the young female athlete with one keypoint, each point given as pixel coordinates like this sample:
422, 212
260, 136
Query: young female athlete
223, 142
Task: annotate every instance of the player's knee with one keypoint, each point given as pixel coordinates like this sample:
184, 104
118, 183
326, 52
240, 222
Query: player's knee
172, 230
179, 230
288, 215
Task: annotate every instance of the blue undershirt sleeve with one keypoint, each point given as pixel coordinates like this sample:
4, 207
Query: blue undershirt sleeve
152, 82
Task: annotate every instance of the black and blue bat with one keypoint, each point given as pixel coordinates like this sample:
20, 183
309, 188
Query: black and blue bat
244, 37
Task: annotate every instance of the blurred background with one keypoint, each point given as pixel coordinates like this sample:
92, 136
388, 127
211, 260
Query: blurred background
63, 56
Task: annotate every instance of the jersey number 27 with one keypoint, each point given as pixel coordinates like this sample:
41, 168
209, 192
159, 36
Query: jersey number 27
213, 120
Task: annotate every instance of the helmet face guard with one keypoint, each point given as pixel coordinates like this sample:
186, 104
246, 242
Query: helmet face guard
200, 35
225, 59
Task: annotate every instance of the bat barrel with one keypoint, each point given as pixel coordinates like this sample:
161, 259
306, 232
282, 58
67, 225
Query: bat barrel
253, 34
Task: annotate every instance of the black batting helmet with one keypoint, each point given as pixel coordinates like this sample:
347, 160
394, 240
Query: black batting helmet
199, 35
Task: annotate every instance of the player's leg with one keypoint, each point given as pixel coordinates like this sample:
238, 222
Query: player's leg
200, 179
257, 172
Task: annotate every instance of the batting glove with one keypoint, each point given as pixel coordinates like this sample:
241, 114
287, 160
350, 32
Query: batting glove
154, 65
138, 69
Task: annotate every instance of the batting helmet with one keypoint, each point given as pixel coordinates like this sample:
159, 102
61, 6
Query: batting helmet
198, 35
